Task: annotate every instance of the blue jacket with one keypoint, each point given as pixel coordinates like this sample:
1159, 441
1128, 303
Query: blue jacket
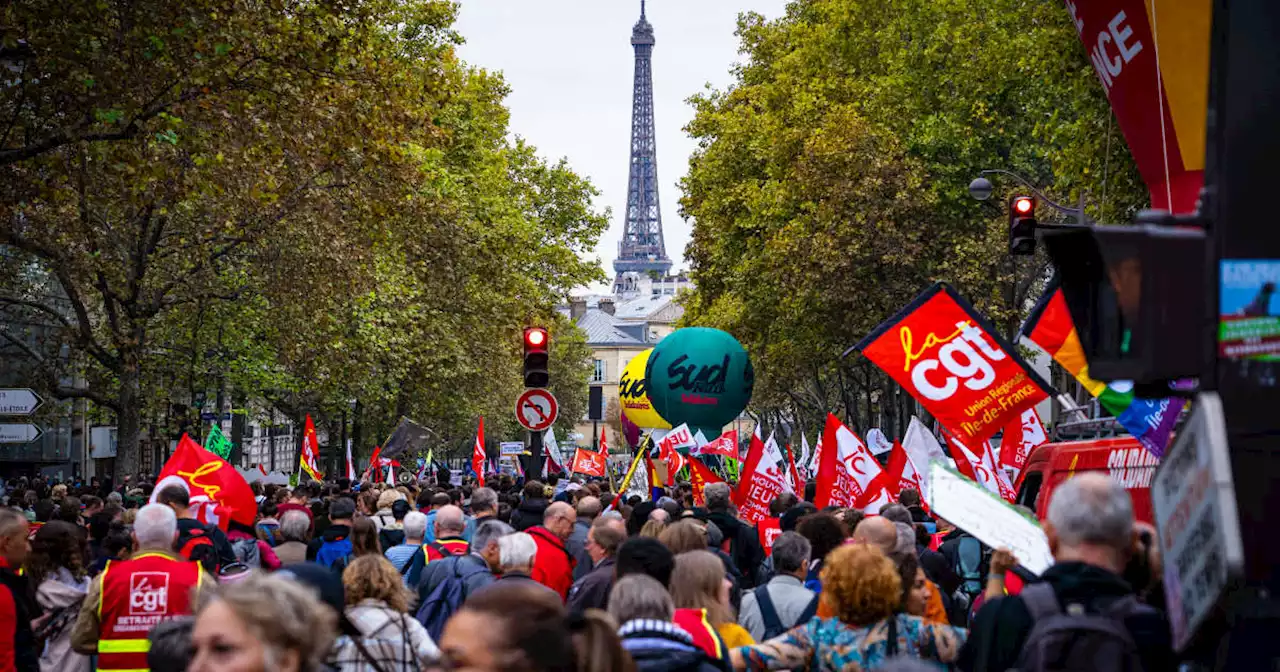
335, 545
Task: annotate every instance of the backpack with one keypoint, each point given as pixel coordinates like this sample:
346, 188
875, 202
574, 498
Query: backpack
1071, 639
196, 545
270, 534
445, 599
773, 625
247, 552
971, 558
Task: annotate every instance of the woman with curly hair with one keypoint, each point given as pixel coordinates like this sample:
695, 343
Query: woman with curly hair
377, 605
55, 568
864, 590
262, 623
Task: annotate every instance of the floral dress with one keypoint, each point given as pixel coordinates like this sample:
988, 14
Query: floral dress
827, 644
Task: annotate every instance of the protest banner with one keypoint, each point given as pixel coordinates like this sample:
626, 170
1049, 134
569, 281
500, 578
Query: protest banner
847, 472
994, 522
980, 465
1021, 437
769, 530
762, 480
218, 493
955, 364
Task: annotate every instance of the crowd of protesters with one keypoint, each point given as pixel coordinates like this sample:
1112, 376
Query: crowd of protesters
561, 575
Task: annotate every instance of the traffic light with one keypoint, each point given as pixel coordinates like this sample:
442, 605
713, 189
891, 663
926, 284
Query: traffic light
1022, 226
1137, 296
535, 357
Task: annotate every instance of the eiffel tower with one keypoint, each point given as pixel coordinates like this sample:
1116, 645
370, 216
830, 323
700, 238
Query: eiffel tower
642, 250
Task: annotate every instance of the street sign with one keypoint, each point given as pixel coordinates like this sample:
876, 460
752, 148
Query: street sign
536, 409
1194, 502
19, 401
19, 433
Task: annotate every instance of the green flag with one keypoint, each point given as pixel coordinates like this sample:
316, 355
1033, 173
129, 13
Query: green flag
217, 442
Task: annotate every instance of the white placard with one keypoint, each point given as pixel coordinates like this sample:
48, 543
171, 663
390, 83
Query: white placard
511, 448
974, 509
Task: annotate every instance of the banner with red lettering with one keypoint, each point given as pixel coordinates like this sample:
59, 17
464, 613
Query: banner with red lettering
589, 463
981, 467
725, 446
955, 364
218, 493
699, 477
1022, 436
847, 472
769, 530
761, 481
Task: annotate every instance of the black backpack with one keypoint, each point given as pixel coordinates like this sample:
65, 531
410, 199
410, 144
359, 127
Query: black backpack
769, 614
972, 558
1072, 639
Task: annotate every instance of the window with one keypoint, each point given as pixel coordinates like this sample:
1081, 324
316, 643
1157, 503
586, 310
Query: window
597, 376
1030, 489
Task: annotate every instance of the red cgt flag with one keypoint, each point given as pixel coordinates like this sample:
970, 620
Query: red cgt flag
725, 446
219, 494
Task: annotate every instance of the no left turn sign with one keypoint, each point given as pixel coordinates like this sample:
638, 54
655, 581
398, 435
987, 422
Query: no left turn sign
536, 409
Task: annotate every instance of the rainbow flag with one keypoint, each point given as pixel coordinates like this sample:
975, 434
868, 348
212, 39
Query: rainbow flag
1050, 326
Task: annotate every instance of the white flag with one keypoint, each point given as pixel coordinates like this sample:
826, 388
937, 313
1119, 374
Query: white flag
878, 442
922, 448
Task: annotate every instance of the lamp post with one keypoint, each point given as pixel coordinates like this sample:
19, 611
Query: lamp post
980, 189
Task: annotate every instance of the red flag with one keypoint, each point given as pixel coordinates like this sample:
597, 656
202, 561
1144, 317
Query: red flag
981, 467
668, 451
902, 471
942, 351
761, 480
1022, 436
797, 485
218, 492
309, 456
477, 454
588, 462
769, 530
848, 475
262, 468
373, 464
725, 446
699, 477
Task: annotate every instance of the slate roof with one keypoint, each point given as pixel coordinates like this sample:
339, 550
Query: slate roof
601, 329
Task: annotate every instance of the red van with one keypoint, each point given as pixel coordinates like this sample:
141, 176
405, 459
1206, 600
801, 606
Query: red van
1123, 458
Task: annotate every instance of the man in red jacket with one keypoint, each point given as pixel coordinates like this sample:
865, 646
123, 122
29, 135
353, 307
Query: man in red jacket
553, 565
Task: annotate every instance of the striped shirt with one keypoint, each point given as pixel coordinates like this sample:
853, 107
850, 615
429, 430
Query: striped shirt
399, 555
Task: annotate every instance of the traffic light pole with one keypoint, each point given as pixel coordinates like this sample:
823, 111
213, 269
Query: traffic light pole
1243, 143
536, 452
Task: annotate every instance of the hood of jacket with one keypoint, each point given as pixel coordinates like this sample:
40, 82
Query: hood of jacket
335, 533
61, 590
661, 645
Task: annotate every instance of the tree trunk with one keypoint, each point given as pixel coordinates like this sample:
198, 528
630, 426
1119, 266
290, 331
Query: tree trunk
129, 420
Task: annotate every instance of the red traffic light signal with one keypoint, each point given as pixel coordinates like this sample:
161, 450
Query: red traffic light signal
1022, 226
536, 357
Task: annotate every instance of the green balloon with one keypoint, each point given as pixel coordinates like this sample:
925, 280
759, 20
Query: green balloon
699, 376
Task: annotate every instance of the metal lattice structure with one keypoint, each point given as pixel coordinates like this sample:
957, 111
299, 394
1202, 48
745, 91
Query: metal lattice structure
642, 249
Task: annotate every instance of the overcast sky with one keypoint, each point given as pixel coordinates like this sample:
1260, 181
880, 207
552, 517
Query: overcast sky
570, 65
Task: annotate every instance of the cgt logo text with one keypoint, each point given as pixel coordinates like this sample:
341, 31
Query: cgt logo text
964, 357
148, 593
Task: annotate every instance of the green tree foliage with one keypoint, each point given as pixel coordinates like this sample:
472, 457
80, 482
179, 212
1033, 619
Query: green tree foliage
829, 186
302, 203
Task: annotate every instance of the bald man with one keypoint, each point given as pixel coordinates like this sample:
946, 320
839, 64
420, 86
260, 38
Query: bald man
588, 508
878, 531
449, 524
553, 564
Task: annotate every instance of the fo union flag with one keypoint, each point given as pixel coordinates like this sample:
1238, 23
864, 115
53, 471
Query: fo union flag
947, 356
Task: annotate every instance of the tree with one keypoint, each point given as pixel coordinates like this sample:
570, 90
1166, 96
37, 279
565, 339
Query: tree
307, 205
829, 185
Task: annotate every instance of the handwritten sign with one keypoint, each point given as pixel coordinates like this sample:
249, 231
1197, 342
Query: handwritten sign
994, 522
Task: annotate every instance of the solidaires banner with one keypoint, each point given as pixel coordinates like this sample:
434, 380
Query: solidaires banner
950, 359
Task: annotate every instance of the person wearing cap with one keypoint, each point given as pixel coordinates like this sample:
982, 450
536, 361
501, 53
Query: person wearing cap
130, 597
335, 543
393, 534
